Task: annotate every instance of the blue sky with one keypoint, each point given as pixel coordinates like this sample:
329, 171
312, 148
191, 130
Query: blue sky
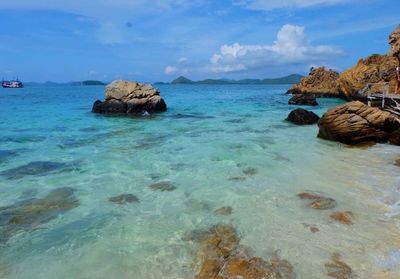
159, 40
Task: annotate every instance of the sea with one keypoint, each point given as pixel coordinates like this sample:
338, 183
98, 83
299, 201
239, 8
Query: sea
216, 146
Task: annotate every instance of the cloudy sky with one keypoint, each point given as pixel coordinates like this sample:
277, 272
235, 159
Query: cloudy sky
159, 40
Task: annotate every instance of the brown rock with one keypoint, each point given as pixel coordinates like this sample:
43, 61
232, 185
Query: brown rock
314, 229
338, 269
303, 99
225, 210
356, 122
345, 217
323, 203
320, 82
131, 98
309, 196
394, 41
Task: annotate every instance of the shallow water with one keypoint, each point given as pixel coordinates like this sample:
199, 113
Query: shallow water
218, 146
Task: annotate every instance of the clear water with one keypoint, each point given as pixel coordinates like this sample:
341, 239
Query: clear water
209, 135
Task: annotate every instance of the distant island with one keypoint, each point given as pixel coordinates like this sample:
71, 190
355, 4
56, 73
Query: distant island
72, 83
290, 79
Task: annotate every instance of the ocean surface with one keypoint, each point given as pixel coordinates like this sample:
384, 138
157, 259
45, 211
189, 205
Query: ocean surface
216, 146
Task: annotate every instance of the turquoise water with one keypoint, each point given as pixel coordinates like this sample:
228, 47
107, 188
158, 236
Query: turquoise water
220, 146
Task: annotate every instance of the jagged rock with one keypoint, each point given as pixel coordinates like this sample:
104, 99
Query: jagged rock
323, 203
338, 269
320, 82
127, 97
355, 122
302, 99
394, 41
302, 117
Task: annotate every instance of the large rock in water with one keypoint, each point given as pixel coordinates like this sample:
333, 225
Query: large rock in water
355, 122
302, 117
130, 97
303, 99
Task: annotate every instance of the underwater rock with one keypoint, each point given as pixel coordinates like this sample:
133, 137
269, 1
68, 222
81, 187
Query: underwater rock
163, 186
309, 196
338, 269
250, 171
314, 229
303, 99
225, 210
126, 97
124, 199
7, 154
221, 257
36, 168
237, 178
345, 217
323, 203
302, 117
31, 213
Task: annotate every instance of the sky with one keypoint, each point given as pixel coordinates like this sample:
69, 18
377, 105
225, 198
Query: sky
159, 40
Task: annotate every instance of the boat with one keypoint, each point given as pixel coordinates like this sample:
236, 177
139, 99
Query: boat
12, 84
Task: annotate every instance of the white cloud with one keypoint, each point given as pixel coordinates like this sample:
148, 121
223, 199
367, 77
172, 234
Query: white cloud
291, 47
182, 60
170, 70
268, 5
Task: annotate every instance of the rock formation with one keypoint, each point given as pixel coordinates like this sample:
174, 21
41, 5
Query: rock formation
355, 122
302, 117
303, 99
126, 97
375, 70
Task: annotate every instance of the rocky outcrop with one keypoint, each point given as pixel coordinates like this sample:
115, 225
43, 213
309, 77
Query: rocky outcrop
302, 117
394, 41
355, 122
375, 70
303, 99
320, 82
127, 97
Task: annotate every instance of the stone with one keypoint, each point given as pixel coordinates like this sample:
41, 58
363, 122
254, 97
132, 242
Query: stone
36, 168
163, 186
129, 97
221, 257
250, 171
31, 213
225, 210
323, 203
314, 229
321, 82
394, 42
302, 117
309, 196
395, 138
124, 199
345, 217
338, 269
355, 122
303, 99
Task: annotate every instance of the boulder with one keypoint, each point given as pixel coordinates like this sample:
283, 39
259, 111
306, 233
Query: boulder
394, 41
302, 117
320, 82
129, 97
355, 122
303, 99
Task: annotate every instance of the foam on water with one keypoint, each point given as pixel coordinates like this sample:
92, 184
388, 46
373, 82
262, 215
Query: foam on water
219, 146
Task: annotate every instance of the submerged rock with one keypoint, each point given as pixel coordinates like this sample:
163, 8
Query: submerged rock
250, 171
36, 168
356, 122
302, 117
221, 257
345, 217
225, 210
308, 196
7, 154
338, 269
303, 99
163, 186
237, 178
126, 97
124, 199
323, 203
31, 213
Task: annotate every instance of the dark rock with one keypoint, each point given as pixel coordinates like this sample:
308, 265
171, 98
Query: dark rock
395, 138
302, 117
355, 122
338, 269
124, 199
125, 97
225, 210
303, 99
250, 171
31, 213
36, 168
309, 196
163, 186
